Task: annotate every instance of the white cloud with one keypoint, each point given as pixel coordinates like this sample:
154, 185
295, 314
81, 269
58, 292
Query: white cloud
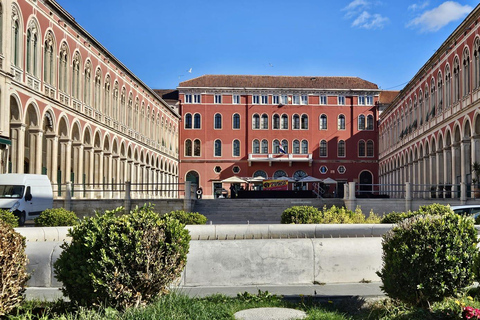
368, 21
418, 6
362, 18
435, 19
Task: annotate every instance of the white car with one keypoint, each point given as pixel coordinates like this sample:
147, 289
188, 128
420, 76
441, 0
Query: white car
470, 210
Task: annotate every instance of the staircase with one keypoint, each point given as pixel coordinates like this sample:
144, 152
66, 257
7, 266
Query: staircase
254, 211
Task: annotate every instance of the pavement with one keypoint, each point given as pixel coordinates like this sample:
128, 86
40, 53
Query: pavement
318, 291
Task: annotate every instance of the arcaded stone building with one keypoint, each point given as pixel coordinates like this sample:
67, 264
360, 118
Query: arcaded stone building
69, 109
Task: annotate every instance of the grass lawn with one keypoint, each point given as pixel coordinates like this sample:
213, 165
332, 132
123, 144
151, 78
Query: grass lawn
180, 307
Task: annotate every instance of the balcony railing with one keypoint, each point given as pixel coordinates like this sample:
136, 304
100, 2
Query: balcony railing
273, 157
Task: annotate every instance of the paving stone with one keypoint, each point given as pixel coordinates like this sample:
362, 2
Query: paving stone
270, 314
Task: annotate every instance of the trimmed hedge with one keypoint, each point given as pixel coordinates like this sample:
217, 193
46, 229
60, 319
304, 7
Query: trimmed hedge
333, 215
9, 218
186, 217
56, 217
428, 257
122, 261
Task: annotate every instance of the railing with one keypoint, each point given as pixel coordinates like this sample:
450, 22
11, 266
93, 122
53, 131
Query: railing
416, 191
121, 191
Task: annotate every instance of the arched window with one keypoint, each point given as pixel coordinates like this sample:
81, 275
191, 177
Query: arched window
264, 146
48, 59
276, 146
341, 148
296, 146
304, 122
432, 99
304, 147
63, 68
341, 122
276, 122
218, 121
32, 49
106, 99
97, 92
76, 76
87, 82
456, 81
236, 121
369, 122
16, 35
361, 122
476, 64
284, 122
115, 110
264, 123
370, 150
260, 173
440, 92
448, 87
323, 148
188, 121
296, 122
218, 148
466, 72
236, 148
285, 146
323, 122
279, 174
255, 121
188, 148
361, 148
123, 109
426, 106
197, 123
256, 146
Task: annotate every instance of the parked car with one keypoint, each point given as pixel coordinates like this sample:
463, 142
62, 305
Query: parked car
470, 210
26, 195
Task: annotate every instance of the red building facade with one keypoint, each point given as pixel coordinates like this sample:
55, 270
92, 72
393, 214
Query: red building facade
273, 126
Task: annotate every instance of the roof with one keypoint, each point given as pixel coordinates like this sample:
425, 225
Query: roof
246, 81
386, 97
167, 94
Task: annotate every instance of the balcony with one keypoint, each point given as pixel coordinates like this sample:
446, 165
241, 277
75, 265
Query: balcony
270, 158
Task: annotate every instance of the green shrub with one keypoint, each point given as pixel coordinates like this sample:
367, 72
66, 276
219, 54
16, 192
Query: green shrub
122, 261
300, 215
427, 258
187, 217
333, 215
432, 209
9, 218
56, 217
13, 268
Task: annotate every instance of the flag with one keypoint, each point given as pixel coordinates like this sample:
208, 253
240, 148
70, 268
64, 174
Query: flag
280, 148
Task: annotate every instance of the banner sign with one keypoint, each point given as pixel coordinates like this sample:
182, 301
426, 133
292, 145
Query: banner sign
275, 185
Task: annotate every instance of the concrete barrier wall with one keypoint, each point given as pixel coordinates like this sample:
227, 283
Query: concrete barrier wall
247, 254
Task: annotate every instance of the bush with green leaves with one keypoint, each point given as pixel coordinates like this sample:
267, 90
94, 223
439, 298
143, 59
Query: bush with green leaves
332, 215
13, 268
433, 209
428, 257
9, 218
187, 217
300, 215
56, 217
121, 261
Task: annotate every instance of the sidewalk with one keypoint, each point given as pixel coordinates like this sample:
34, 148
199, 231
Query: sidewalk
328, 291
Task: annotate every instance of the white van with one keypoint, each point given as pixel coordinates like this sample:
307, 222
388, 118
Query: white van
26, 195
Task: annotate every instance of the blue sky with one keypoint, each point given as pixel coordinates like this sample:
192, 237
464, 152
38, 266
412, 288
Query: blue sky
166, 42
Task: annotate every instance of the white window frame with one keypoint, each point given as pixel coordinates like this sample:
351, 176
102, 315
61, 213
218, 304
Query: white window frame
275, 99
256, 99
341, 100
304, 99
369, 100
295, 99
236, 99
361, 100
188, 98
197, 98
323, 99
218, 98
264, 99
